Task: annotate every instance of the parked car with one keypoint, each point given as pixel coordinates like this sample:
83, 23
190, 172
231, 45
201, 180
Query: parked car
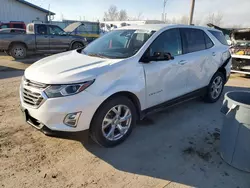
13, 24
239, 42
123, 76
240, 50
39, 37
13, 30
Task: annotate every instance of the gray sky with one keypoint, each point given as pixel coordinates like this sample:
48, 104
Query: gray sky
235, 12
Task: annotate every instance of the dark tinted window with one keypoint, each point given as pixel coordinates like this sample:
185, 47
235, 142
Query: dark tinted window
55, 30
168, 41
193, 40
17, 31
209, 43
219, 35
42, 30
5, 26
18, 26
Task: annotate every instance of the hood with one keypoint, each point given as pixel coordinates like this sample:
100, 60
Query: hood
70, 28
68, 67
241, 37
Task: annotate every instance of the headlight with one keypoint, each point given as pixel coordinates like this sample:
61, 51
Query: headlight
66, 90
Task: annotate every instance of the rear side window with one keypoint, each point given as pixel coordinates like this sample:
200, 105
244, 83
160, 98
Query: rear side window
193, 40
208, 41
220, 37
42, 30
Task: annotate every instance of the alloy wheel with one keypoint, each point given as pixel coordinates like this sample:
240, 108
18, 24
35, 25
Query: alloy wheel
216, 87
116, 122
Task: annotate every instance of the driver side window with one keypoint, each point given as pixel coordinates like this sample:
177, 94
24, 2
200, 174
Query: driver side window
54, 30
167, 42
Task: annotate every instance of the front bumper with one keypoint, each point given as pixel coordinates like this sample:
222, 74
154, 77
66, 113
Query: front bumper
53, 111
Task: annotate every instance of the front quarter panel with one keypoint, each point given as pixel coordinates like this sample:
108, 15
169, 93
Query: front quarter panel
126, 75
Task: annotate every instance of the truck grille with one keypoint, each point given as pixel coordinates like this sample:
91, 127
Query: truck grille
32, 93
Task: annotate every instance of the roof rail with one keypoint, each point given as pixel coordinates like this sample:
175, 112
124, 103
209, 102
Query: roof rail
16, 21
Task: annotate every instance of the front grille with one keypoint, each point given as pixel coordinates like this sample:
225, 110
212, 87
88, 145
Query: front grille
34, 84
32, 93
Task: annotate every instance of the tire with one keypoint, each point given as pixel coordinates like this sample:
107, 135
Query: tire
77, 45
18, 51
103, 136
215, 88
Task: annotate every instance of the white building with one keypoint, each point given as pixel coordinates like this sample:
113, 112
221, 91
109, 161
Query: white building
21, 10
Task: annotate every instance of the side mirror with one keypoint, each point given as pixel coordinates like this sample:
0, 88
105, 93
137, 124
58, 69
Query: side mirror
157, 56
168, 56
162, 56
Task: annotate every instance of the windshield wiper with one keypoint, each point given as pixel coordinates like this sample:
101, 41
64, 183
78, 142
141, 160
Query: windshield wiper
96, 55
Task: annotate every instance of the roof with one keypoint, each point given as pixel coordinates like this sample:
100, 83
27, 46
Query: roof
151, 27
36, 7
157, 27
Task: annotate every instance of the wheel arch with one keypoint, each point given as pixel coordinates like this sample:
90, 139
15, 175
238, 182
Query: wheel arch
222, 68
74, 41
223, 71
131, 96
17, 42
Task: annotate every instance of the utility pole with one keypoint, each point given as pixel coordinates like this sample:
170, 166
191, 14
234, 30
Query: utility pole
163, 13
191, 12
49, 14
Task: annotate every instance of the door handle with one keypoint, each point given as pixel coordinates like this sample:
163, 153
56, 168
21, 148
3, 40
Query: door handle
182, 62
213, 54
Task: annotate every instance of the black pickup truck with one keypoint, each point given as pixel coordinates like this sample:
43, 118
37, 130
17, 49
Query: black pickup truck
41, 38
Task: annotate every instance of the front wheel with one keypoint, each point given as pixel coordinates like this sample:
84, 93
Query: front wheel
113, 122
77, 45
215, 88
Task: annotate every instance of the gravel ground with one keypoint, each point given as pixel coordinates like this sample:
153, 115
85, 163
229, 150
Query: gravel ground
174, 148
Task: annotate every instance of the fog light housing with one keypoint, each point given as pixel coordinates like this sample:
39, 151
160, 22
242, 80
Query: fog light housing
72, 119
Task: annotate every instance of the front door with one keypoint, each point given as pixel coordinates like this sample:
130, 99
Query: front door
59, 40
167, 79
42, 38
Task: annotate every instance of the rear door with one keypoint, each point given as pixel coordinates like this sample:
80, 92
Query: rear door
59, 41
197, 48
42, 37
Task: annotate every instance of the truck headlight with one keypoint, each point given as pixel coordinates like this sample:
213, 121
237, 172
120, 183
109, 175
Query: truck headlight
66, 90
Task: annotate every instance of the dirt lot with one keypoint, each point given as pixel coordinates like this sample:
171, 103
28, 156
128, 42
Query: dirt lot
178, 147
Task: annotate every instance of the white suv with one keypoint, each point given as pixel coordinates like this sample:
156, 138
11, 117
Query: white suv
121, 77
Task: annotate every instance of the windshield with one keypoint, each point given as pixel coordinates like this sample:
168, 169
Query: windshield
118, 44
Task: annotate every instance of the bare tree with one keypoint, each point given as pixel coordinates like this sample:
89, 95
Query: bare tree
62, 16
216, 19
183, 20
197, 22
123, 16
112, 14
139, 16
